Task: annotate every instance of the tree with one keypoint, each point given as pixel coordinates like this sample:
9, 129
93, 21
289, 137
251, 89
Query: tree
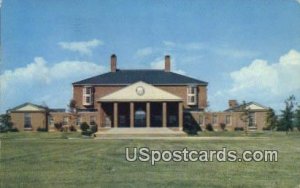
297, 118
286, 121
73, 109
271, 120
245, 116
5, 123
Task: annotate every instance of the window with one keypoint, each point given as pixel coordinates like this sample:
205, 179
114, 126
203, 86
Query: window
87, 96
51, 121
251, 119
27, 120
228, 119
87, 99
215, 119
92, 120
192, 95
88, 90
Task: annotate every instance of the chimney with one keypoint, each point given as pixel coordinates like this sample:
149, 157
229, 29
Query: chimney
232, 103
113, 63
167, 63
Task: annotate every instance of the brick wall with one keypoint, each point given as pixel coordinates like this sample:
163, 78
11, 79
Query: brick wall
38, 120
180, 91
207, 117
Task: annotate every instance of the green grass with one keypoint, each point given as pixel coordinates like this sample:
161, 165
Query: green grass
47, 160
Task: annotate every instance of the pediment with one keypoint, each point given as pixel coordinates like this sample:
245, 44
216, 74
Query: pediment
140, 91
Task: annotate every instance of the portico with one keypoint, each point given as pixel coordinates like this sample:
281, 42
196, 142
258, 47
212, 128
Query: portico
141, 105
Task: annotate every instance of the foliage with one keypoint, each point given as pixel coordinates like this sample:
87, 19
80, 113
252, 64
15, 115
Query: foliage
297, 118
87, 132
271, 120
14, 129
93, 128
209, 127
190, 126
42, 129
239, 128
84, 126
5, 123
73, 109
286, 120
72, 105
72, 128
223, 126
58, 126
245, 116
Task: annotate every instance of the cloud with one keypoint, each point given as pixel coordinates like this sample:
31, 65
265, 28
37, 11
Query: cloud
144, 52
278, 78
264, 82
159, 63
298, 1
41, 82
83, 47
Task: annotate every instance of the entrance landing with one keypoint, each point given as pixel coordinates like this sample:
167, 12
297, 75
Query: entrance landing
128, 132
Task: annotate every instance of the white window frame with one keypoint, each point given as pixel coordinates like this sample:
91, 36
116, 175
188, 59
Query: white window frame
192, 93
86, 95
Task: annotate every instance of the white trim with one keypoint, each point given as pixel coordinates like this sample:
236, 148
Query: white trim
85, 95
192, 92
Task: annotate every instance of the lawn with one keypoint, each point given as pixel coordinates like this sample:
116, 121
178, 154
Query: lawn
51, 160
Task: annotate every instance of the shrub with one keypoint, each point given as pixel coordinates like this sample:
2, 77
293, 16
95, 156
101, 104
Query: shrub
239, 128
72, 128
209, 127
58, 126
266, 128
87, 133
3, 128
93, 128
14, 129
84, 126
42, 129
223, 126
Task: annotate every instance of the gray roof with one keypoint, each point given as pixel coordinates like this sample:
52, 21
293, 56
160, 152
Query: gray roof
154, 77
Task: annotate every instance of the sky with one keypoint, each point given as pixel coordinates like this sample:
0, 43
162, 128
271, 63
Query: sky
246, 50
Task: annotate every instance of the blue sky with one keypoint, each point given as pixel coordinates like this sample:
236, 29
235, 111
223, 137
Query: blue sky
246, 50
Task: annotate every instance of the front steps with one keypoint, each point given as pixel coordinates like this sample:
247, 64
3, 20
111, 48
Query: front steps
139, 132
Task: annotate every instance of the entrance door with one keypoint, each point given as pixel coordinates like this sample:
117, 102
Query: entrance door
140, 118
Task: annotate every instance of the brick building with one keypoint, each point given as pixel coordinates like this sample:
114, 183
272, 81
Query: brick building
140, 98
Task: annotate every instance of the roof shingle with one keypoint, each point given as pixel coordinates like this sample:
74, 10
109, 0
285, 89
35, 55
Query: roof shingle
154, 77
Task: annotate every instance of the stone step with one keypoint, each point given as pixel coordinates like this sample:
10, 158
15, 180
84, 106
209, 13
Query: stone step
131, 132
